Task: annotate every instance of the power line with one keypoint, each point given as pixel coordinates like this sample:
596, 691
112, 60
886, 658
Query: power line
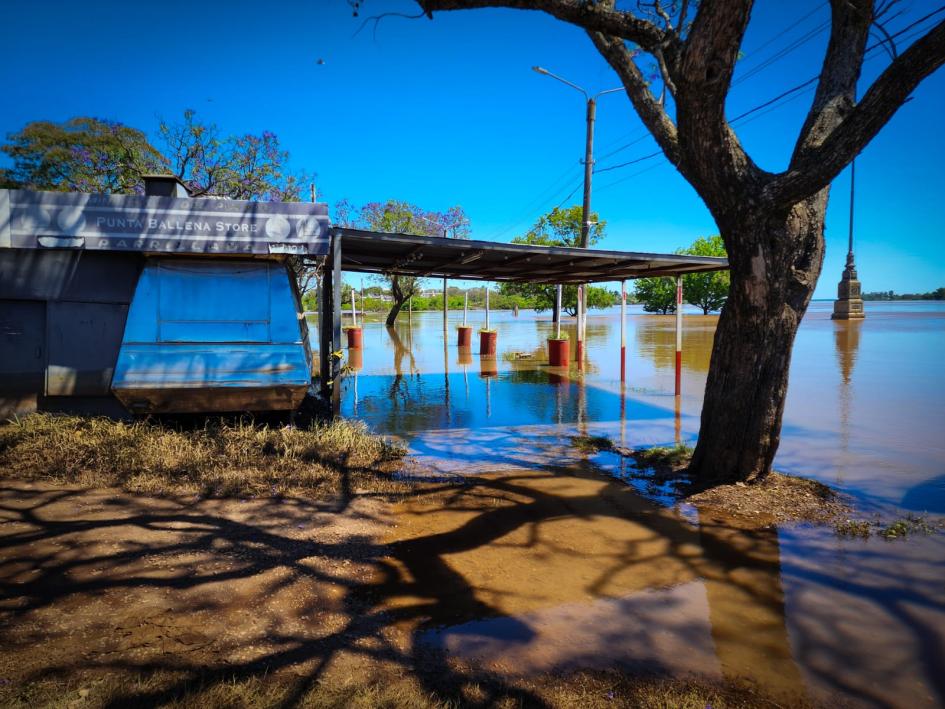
629, 162
796, 44
789, 28
772, 104
752, 72
781, 99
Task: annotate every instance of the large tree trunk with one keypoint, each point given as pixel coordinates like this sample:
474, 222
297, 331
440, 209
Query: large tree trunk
774, 269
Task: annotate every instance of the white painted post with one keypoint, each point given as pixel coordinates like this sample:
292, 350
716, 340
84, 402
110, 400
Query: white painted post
580, 328
445, 305
679, 304
354, 310
558, 310
487, 307
465, 306
623, 331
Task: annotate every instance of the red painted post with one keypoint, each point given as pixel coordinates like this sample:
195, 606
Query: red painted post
579, 355
679, 302
623, 334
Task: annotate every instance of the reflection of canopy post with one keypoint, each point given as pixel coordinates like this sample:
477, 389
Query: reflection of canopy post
329, 318
623, 333
679, 303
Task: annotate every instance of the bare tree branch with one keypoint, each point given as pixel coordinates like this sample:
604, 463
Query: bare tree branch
815, 169
593, 17
647, 107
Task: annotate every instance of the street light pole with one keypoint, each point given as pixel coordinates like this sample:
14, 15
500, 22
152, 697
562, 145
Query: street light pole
591, 117
588, 172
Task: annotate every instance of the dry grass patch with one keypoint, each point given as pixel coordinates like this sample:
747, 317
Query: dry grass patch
221, 458
589, 690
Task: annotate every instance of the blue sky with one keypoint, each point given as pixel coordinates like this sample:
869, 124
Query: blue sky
448, 112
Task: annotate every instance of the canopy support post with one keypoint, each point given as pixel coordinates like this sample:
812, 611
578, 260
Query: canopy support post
329, 333
679, 304
580, 327
623, 333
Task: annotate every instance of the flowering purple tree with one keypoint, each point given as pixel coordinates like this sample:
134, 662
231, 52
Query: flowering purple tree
248, 167
398, 217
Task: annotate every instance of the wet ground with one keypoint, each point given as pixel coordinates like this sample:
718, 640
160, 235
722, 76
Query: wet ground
569, 571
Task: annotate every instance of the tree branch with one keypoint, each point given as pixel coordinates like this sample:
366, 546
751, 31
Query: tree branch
850, 22
708, 60
817, 167
593, 17
654, 117
714, 161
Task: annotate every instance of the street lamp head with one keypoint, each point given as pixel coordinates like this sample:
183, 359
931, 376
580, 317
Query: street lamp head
539, 70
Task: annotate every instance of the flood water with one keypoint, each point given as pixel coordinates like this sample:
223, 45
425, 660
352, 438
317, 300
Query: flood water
555, 563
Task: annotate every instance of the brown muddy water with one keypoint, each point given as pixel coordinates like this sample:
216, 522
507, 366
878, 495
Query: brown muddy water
559, 560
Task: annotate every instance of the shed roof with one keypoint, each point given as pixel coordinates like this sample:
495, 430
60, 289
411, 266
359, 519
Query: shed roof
406, 254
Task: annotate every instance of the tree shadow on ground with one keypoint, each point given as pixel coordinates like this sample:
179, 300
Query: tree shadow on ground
212, 591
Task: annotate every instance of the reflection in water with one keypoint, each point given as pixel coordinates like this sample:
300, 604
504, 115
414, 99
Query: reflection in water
847, 341
655, 338
535, 572
878, 639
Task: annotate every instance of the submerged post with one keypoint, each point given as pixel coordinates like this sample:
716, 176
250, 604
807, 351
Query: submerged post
580, 328
330, 323
557, 310
354, 309
679, 302
623, 333
445, 305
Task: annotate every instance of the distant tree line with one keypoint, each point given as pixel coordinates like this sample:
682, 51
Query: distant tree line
937, 294
704, 290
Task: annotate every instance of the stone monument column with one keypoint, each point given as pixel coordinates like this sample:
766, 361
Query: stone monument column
849, 304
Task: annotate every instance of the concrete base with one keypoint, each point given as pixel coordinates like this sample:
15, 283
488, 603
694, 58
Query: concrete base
848, 310
849, 304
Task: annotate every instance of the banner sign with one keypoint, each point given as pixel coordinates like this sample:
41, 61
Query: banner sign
33, 220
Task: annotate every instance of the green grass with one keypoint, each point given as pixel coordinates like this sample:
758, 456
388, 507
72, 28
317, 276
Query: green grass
592, 444
663, 456
902, 528
221, 458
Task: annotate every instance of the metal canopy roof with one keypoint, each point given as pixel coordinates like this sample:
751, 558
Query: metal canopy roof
379, 252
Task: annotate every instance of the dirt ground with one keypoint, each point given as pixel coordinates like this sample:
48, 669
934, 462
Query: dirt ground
97, 581
102, 588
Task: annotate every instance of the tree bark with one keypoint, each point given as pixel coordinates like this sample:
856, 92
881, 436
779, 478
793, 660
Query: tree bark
775, 261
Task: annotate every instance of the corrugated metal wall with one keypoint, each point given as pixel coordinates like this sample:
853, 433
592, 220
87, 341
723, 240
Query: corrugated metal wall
62, 315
